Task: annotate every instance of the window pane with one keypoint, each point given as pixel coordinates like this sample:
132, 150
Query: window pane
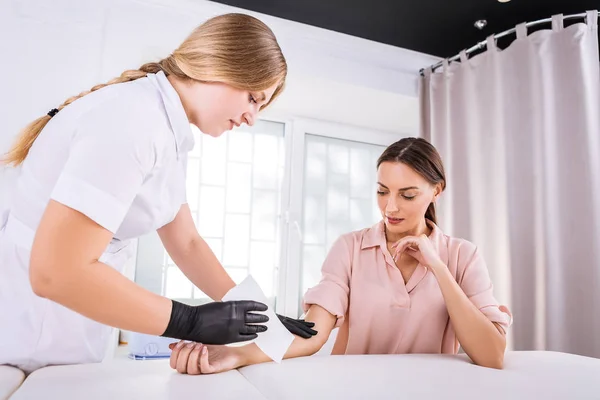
262, 265
178, 286
337, 157
361, 182
240, 146
265, 161
214, 159
315, 168
264, 215
315, 220
211, 213
239, 187
312, 260
234, 192
237, 240
339, 197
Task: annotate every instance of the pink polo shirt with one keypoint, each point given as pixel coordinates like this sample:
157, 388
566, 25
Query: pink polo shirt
379, 313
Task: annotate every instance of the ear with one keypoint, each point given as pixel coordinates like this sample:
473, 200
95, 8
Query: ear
437, 191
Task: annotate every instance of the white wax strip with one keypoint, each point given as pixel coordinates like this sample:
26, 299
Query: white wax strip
277, 339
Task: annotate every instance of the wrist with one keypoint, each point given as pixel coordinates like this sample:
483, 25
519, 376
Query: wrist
244, 355
438, 268
250, 354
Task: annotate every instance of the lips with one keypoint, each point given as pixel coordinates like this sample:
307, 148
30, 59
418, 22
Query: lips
394, 221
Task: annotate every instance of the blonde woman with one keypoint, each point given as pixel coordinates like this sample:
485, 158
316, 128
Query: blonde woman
108, 166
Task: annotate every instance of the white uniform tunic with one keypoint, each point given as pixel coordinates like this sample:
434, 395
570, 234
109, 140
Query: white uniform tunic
117, 155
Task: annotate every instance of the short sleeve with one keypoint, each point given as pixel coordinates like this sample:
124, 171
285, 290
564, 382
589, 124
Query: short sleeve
333, 291
478, 287
184, 166
110, 156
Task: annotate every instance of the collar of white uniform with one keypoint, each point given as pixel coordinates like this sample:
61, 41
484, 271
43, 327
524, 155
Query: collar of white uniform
184, 138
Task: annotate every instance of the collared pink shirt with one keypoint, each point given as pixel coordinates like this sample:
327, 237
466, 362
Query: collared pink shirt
379, 314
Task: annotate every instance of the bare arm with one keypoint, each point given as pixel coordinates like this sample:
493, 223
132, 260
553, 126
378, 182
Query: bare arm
324, 324
193, 256
196, 358
483, 341
64, 268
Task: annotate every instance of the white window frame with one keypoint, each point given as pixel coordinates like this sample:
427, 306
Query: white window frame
290, 266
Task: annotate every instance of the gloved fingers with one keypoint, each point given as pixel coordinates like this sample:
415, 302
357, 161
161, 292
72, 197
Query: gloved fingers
300, 328
299, 331
302, 324
246, 338
253, 318
308, 330
306, 323
249, 305
252, 329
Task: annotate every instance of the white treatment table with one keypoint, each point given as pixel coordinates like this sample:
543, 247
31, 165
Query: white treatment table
526, 375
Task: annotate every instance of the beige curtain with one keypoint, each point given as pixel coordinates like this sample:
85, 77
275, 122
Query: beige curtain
519, 132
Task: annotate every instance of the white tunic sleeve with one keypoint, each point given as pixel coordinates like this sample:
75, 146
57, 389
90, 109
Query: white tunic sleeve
111, 154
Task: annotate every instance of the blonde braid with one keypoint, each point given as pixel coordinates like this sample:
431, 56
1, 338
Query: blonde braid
20, 149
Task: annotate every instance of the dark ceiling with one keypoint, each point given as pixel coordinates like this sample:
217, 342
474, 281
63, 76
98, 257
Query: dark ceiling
438, 27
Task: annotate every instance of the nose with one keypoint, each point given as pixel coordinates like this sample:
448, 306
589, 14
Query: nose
250, 116
391, 206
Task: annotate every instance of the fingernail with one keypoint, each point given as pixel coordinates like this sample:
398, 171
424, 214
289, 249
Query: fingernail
198, 346
191, 345
180, 344
204, 350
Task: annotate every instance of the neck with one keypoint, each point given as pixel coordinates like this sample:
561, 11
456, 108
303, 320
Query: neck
418, 230
180, 88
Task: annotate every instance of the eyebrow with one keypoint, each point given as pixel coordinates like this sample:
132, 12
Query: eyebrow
400, 190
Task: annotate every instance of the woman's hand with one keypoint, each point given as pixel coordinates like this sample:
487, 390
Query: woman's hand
420, 248
195, 358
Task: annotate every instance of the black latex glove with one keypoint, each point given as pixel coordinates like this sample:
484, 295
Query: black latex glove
298, 327
216, 323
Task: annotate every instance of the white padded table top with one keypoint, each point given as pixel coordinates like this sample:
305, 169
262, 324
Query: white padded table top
128, 379
526, 375
10, 380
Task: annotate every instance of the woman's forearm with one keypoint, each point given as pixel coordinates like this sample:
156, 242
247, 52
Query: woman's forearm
324, 324
99, 292
477, 335
251, 354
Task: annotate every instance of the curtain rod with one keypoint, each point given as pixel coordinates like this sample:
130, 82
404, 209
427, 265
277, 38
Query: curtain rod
483, 43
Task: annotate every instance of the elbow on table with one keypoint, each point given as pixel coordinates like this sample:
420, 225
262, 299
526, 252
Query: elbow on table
496, 361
